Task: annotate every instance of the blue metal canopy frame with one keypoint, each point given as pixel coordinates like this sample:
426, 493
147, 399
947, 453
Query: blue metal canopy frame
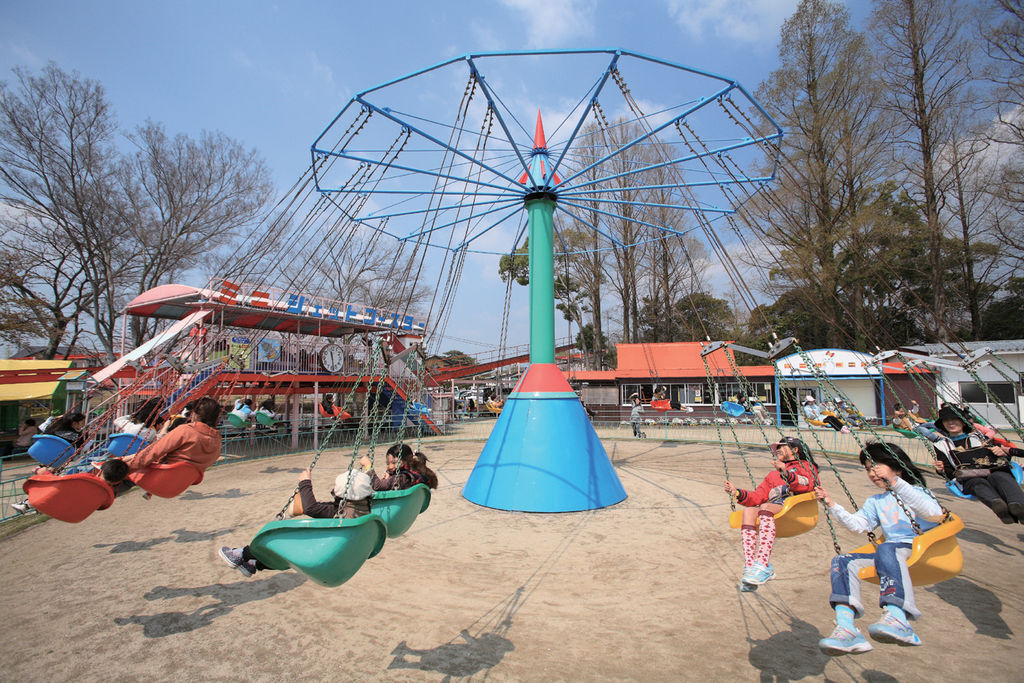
443, 187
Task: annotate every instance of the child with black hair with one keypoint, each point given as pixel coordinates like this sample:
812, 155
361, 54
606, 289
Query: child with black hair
795, 472
890, 469
113, 471
419, 464
407, 474
143, 422
980, 467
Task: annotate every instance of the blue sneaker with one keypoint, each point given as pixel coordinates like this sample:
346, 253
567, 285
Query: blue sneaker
890, 629
843, 641
233, 556
759, 575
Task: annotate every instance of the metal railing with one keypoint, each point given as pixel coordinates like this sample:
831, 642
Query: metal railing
241, 445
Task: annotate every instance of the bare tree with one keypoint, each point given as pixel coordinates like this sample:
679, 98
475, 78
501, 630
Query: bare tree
57, 166
186, 201
926, 65
102, 225
1004, 41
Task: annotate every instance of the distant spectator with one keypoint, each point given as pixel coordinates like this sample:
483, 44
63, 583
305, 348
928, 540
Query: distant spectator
24, 440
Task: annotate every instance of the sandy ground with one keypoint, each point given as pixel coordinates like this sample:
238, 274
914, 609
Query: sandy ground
645, 590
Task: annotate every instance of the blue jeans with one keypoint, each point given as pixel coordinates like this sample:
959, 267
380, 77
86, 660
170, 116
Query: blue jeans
890, 562
927, 430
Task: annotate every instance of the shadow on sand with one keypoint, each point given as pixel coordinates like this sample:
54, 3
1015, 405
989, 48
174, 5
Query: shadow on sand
459, 660
789, 655
230, 493
180, 536
987, 539
227, 598
274, 469
979, 605
473, 654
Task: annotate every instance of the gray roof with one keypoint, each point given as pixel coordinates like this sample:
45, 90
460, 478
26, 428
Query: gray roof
997, 346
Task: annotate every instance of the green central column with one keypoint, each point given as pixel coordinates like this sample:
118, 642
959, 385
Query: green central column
542, 279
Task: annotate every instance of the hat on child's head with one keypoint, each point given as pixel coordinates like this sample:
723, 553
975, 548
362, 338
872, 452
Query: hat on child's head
360, 487
948, 412
809, 398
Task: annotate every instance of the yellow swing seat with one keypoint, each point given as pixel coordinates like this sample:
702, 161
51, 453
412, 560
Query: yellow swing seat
935, 557
799, 514
816, 423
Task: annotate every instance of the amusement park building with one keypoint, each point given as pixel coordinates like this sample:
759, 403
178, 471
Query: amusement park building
994, 390
696, 390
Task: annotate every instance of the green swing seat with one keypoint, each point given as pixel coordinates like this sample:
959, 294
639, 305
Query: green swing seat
906, 432
399, 509
266, 420
328, 551
237, 421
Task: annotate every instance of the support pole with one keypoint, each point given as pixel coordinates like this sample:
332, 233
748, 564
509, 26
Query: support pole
542, 279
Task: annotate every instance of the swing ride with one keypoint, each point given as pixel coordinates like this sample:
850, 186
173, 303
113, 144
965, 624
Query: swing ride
453, 186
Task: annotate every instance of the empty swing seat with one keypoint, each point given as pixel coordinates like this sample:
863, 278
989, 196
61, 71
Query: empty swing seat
167, 480
732, 408
399, 509
121, 445
70, 498
799, 514
935, 556
957, 490
49, 450
328, 551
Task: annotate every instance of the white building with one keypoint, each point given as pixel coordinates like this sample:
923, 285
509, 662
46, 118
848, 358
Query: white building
999, 397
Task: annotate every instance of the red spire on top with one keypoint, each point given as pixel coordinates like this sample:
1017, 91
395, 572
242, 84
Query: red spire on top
538, 134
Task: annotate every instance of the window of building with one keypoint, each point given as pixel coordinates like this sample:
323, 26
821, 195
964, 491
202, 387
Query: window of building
644, 391
1001, 392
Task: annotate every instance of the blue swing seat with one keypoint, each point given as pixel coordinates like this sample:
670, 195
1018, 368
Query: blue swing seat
328, 551
954, 486
732, 408
120, 445
49, 450
399, 509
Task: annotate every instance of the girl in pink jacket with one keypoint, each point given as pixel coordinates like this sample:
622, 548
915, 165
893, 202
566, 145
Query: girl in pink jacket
795, 472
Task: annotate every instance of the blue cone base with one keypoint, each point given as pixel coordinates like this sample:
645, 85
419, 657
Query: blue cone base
543, 455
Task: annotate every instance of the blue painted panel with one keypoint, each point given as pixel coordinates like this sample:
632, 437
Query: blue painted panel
543, 455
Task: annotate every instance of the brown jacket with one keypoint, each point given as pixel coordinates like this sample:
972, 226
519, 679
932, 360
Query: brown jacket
193, 442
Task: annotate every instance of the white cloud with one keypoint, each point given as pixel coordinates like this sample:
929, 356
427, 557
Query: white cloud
241, 58
25, 56
485, 37
740, 20
551, 23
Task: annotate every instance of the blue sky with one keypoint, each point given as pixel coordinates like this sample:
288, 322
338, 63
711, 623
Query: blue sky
273, 75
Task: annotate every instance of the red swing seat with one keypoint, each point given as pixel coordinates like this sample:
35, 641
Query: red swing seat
661, 404
71, 498
335, 411
167, 480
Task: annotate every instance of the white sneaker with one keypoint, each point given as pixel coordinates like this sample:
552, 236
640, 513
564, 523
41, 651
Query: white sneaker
22, 507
